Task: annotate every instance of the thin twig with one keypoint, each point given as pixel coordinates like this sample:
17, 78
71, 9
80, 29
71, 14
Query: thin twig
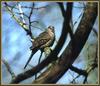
21, 13
13, 15
23, 25
37, 8
96, 33
9, 69
75, 78
30, 15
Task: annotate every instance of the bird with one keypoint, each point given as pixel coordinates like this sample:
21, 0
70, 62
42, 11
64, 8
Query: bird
45, 39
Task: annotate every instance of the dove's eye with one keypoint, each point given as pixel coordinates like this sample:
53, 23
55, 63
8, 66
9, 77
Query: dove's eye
51, 27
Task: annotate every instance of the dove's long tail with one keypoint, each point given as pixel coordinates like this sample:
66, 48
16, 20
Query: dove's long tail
32, 53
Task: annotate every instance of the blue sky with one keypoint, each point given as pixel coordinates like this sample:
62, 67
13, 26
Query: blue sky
15, 42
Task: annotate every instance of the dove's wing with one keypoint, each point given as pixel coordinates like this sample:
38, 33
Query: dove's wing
42, 39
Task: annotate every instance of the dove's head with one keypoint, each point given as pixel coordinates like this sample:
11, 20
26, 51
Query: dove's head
51, 28
51, 31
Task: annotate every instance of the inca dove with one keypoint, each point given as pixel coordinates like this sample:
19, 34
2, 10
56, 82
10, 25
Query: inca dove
45, 39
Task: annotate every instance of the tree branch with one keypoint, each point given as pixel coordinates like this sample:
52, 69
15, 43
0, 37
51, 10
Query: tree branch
73, 49
13, 15
49, 59
9, 69
67, 15
79, 71
66, 24
71, 52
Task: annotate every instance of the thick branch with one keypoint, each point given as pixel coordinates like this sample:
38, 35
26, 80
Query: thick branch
67, 15
74, 47
66, 24
49, 59
80, 38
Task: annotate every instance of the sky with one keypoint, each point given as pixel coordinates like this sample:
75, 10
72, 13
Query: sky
15, 42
